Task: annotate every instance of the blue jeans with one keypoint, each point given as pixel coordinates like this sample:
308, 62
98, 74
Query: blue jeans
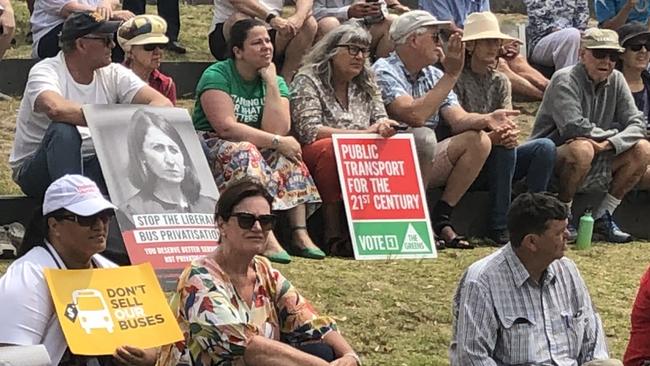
535, 162
58, 155
496, 177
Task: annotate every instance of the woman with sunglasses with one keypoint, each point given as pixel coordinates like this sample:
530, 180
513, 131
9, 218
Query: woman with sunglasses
143, 39
235, 309
242, 112
335, 92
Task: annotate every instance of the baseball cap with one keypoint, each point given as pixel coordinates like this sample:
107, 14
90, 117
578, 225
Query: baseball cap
596, 38
141, 30
76, 194
631, 31
81, 23
412, 20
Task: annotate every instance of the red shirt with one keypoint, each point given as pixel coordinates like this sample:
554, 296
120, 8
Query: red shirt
638, 350
164, 84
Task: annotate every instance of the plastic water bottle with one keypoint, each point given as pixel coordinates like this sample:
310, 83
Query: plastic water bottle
585, 230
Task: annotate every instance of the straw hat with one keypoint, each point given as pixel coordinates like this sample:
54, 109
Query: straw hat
483, 25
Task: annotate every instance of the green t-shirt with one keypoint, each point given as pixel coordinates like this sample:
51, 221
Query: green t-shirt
247, 96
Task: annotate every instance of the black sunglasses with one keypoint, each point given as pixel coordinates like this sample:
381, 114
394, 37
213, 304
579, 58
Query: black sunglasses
107, 39
87, 221
354, 50
247, 220
152, 46
601, 54
637, 47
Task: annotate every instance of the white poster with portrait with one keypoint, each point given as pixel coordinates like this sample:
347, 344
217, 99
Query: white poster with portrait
157, 175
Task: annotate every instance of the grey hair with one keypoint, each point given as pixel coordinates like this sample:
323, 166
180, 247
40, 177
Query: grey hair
318, 60
417, 32
68, 46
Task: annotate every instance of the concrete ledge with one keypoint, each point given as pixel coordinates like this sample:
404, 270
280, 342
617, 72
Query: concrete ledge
14, 73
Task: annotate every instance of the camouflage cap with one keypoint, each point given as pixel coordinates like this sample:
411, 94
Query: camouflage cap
595, 38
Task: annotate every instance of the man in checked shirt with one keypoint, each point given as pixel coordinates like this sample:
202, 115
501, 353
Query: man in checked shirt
526, 304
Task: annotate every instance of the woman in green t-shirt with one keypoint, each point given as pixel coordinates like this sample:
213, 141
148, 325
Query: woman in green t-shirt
242, 110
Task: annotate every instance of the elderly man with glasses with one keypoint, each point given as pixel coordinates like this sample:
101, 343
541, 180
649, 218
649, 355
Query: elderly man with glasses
51, 138
589, 112
417, 93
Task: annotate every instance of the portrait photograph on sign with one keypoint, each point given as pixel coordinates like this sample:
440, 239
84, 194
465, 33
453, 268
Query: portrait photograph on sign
385, 202
158, 177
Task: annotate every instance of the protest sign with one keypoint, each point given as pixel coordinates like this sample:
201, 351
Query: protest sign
157, 175
102, 309
384, 198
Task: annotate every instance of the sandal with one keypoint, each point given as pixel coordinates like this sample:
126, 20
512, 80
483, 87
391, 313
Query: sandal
457, 242
340, 247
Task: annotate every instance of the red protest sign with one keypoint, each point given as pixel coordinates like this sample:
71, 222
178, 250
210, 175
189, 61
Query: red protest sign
378, 175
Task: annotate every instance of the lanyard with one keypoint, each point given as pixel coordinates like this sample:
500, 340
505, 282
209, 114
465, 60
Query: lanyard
61, 265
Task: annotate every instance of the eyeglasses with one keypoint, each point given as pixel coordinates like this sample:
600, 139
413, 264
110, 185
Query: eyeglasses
107, 39
152, 46
354, 50
88, 221
637, 47
247, 220
435, 36
601, 54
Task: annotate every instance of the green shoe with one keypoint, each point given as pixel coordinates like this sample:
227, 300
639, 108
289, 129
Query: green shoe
311, 253
281, 257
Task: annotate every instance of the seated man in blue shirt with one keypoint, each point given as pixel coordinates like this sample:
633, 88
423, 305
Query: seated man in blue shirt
418, 94
612, 14
526, 304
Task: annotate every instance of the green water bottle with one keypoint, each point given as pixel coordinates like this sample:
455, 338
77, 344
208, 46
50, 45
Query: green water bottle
585, 230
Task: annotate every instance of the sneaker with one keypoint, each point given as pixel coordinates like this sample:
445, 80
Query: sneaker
573, 231
605, 229
499, 237
7, 250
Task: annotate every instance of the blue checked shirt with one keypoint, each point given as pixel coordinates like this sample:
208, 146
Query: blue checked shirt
395, 81
503, 317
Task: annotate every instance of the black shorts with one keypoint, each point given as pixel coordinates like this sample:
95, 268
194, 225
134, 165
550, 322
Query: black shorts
220, 51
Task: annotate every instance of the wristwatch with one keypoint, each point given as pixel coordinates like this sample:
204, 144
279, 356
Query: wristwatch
276, 141
270, 17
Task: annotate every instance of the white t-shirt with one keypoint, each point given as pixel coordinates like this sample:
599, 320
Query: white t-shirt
113, 84
223, 9
47, 15
29, 317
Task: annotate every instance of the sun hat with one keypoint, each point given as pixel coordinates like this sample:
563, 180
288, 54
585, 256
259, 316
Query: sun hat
483, 25
604, 39
412, 20
82, 23
76, 194
141, 30
631, 31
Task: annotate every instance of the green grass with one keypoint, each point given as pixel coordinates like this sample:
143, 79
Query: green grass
399, 312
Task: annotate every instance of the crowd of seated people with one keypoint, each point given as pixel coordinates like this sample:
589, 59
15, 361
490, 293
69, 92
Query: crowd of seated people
363, 76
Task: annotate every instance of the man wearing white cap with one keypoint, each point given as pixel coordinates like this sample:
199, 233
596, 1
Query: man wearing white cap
417, 93
589, 112
76, 218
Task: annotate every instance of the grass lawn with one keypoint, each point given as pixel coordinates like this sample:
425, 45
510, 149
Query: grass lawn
393, 312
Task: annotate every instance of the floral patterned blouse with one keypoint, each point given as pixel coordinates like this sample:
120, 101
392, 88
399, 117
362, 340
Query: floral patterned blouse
218, 324
314, 105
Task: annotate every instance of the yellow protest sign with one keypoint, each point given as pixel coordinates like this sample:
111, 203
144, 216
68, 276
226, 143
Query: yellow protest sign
101, 309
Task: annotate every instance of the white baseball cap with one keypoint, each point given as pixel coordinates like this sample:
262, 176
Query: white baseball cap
76, 194
412, 20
